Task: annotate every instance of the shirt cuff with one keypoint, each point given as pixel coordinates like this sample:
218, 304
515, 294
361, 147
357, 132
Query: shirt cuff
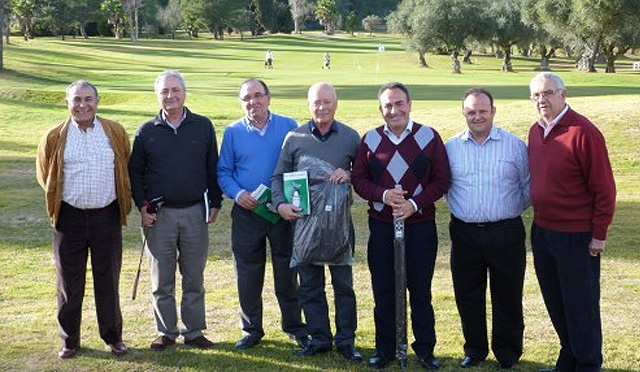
415, 206
237, 197
384, 195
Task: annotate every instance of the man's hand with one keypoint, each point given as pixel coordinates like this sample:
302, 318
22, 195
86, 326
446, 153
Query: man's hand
213, 214
394, 198
403, 210
340, 176
289, 212
246, 201
148, 219
596, 247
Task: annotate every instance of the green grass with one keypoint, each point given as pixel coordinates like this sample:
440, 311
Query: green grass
32, 100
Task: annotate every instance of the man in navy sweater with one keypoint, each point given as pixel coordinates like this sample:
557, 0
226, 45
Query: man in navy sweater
250, 150
174, 157
573, 195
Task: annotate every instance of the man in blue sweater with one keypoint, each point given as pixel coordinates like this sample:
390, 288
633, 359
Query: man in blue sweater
250, 150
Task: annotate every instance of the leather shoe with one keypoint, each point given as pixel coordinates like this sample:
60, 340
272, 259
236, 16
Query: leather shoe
162, 342
247, 342
379, 361
429, 361
67, 353
200, 342
117, 348
350, 353
311, 350
506, 365
302, 341
468, 362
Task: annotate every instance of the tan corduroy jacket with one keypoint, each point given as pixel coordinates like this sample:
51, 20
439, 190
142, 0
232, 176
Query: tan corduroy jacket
49, 165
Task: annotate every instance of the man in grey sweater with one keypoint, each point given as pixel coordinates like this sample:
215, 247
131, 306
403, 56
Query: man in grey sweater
325, 140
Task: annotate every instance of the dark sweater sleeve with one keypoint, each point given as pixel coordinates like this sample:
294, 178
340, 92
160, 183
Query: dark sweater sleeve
439, 174
215, 193
137, 166
361, 177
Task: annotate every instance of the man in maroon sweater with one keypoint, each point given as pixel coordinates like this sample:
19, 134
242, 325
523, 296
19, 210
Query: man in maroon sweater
402, 152
573, 198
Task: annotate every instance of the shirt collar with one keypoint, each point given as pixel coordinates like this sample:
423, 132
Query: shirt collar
407, 130
163, 115
92, 125
555, 120
251, 127
314, 130
494, 134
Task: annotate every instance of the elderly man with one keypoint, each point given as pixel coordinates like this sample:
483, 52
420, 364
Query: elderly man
402, 152
249, 152
489, 191
82, 167
174, 159
573, 197
326, 141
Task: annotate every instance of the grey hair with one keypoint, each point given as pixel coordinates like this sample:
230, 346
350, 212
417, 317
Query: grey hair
319, 85
546, 76
81, 84
164, 75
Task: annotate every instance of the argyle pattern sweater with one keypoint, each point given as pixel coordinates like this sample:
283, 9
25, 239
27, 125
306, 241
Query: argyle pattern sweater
419, 163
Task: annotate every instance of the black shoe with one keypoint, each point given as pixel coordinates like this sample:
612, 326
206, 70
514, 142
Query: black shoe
200, 342
506, 365
247, 342
311, 350
162, 342
379, 361
547, 370
350, 353
468, 362
429, 361
302, 341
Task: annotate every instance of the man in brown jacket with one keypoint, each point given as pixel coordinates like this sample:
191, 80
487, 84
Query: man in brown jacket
82, 166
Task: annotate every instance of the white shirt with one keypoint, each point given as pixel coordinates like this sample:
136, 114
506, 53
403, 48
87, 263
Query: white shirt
88, 173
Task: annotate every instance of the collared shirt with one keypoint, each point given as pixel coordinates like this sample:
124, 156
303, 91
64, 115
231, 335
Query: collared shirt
316, 132
489, 181
252, 127
175, 126
88, 171
393, 138
547, 128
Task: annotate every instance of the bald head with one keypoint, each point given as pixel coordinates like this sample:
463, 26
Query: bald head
323, 102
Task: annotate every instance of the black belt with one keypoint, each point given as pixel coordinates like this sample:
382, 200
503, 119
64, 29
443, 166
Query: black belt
89, 210
485, 224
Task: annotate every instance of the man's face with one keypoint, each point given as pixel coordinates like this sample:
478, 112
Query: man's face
323, 104
255, 102
548, 99
479, 113
171, 95
395, 108
83, 104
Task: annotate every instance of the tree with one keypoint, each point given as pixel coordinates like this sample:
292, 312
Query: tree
327, 14
242, 20
132, 8
265, 14
507, 27
26, 11
115, 14
300, 9
4, 9
56, 16
371, 23
170, 17
351, 24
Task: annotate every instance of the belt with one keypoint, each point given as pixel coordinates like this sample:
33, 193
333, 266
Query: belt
485, 224
89, 210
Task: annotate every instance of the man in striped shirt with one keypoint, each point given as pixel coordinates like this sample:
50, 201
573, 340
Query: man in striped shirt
489, 190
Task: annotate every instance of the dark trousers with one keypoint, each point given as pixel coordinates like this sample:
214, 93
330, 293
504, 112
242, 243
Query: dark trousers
316, 311
499, 250
421, 246
569, 279
249, 234
77, 233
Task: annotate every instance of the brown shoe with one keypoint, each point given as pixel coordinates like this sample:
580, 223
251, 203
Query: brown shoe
117, 348
200, 342
66, 353
162, 342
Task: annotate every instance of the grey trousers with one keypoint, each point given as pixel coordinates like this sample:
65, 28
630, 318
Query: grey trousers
178, 238
249, 234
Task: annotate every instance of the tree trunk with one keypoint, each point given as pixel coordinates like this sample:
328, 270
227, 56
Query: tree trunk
467, 57
423, 62
1, 34
83, 31
296, 27
594, 54
135, 23
506, 61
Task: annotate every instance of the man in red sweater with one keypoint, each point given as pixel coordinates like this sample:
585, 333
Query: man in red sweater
573, 198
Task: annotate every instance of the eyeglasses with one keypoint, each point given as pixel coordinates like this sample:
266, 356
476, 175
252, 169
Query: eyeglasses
257, 96
545, 94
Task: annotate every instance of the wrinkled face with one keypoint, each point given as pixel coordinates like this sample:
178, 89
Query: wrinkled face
395, 108
171, 95
255, 102
323, 104
479, 113
82, 103
548, 99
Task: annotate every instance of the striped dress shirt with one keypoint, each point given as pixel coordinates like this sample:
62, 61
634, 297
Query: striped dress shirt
89, 170
489, 181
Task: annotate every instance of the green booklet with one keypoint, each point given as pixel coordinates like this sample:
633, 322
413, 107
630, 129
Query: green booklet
296, 190
263, 195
